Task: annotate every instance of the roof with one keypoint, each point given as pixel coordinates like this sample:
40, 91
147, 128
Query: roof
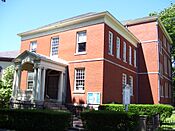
139, 20
40, 57
81, 21
145, 20
9, 54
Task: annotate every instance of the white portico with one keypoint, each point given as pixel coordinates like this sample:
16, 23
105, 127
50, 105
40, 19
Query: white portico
49, 78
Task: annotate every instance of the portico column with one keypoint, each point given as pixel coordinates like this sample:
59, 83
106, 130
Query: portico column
60, 91
43, 84
38, 87
18, 80
34, 82
14, 84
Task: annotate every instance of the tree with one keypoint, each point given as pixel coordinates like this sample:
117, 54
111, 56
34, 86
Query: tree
6, 86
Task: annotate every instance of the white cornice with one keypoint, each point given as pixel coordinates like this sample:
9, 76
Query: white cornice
103, 17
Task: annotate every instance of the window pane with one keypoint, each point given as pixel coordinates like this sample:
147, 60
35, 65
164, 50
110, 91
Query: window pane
54, 46
79, 79
81, 47
33, 46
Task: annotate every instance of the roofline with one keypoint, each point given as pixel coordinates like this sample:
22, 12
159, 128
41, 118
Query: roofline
68, 22
146, 20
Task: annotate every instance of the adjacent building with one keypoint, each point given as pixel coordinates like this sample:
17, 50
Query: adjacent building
89, 59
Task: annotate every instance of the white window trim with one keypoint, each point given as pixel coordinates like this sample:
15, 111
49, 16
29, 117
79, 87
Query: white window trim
110, 43
75, 90
77, 44
124, 52
118, 48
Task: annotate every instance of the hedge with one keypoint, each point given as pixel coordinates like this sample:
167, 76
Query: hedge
142, 109
109, 120
31, 120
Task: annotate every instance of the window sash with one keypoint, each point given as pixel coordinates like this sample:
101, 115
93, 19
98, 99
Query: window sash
30, 80
110, 44
130, 55
124, 51
33, 46
134, 58
81, 42
79, 79
124, 80
54, 46
118, 47
131, 85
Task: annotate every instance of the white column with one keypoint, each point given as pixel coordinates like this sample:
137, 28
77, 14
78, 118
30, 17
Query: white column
43, 84
34, 82
60, 90
14, 84
18, 80
38, 87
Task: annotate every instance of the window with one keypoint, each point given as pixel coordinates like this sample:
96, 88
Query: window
131, 85
30, 80
161, 69
165, 64
160, 46
33, 46
79, 79
110, 45
162, 91
118, 48
134, 58
81, 42
124, 51
166, 90
169, 68
130, 55
170, 91
164, 40
54, 46
124, 80
168, 45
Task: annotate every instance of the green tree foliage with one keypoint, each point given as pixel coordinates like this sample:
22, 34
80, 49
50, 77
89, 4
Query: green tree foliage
6, 86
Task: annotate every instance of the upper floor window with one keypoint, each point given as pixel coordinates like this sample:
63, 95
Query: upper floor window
33, 46
165, 64
54, 46
30, 80
161, 69
134, 58
81, 42
164, 40
160, 46
131, 85
130, 55
168, 46
124, 80
118, 47
110, 44
79, 79
124, 51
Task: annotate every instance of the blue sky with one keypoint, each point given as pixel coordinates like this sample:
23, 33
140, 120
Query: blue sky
17, 16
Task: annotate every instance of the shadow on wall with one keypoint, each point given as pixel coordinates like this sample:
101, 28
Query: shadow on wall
144, 88
68, 91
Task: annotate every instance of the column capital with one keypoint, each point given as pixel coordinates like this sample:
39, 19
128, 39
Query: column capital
18, 67
36, 65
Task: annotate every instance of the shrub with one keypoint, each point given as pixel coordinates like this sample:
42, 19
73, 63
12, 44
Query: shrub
31, 120
109, 120
142, 109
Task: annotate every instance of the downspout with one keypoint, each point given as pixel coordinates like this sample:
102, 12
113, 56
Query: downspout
158, 56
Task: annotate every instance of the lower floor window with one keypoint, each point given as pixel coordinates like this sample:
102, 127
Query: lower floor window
30, 80
79, 79
131, 85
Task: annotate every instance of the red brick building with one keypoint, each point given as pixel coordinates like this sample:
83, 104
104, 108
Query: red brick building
90, 58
